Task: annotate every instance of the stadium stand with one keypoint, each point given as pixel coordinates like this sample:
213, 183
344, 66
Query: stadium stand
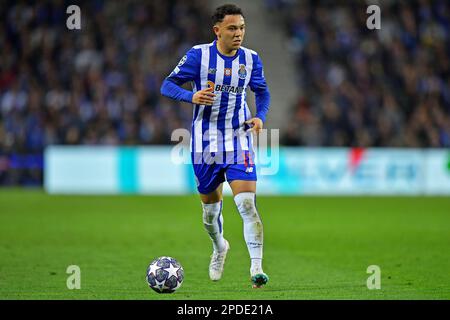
94, 86
100, 85
369, 88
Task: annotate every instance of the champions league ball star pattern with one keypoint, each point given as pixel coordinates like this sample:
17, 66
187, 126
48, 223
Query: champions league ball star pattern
165, 275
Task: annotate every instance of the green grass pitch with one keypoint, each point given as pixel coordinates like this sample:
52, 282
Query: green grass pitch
315, 247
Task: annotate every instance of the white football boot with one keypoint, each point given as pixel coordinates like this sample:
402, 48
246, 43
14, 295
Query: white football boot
217, 263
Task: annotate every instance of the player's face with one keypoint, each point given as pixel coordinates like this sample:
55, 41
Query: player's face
230, 32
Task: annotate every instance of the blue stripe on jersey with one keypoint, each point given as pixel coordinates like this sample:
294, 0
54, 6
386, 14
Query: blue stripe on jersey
246, 117
250, 148
212, 78
237, 107
198, 87
196, 108
228, 63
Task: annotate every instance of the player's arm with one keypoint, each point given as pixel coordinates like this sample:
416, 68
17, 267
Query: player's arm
186, 70
262, 95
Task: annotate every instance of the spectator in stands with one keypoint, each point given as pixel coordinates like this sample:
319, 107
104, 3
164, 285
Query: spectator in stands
97, 85
361, 87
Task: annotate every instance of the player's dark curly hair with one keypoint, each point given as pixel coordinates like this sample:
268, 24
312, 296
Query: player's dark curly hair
226, 9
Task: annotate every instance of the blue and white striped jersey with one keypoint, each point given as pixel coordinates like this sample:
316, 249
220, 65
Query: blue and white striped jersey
220, 127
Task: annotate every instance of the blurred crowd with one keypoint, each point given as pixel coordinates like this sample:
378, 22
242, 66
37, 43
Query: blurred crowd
362, 87
100, 85
97, 85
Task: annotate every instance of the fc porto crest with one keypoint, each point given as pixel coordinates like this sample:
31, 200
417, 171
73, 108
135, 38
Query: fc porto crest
242, 71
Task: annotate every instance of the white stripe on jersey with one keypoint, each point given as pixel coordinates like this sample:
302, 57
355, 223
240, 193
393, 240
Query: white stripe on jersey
250, 135
216, 107
242, 119
194, 89
249, 64
198, 130
229, 146
203, 82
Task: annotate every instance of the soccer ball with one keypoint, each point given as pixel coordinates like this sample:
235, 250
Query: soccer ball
165, 275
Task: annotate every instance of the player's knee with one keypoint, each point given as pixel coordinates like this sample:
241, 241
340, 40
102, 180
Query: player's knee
247, 209
211, 212
209, 216
249, 205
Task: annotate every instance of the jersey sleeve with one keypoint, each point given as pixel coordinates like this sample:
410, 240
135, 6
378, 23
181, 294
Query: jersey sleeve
259, 86
187, 69
257, 80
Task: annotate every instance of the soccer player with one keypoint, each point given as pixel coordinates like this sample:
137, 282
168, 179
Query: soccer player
221, 140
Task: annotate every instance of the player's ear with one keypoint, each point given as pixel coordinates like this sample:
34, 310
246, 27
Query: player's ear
216, 30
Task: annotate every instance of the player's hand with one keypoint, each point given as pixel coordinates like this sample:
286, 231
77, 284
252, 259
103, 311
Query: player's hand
205, 96
256, 125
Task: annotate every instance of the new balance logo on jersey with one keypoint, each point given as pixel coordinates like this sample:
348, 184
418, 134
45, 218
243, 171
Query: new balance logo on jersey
249, 170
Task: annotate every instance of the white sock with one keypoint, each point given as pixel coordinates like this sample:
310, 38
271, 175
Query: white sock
256, 265
253, 228
213, 222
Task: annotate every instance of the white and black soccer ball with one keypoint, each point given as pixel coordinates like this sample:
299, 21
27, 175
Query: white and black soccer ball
165, 275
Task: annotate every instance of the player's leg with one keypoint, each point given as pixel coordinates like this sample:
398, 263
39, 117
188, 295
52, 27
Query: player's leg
212, 217
244, 192
210, 180
212, 197
213, 222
